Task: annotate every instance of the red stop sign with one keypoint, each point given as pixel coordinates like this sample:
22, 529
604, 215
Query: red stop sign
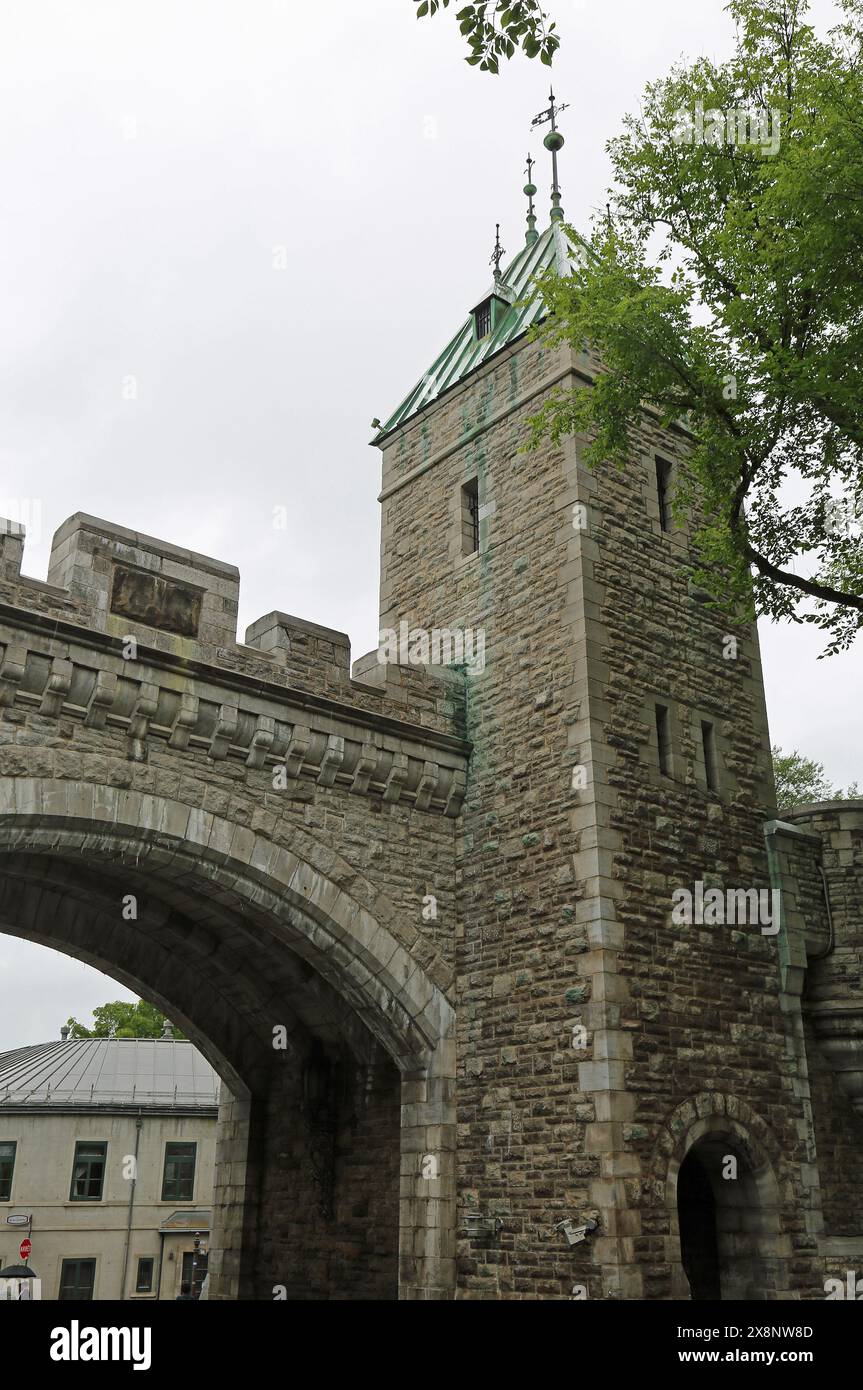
25, 1247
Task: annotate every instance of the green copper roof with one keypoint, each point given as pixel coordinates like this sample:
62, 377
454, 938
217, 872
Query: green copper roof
464, 354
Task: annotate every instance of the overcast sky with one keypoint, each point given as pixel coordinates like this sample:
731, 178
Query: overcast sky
159, 160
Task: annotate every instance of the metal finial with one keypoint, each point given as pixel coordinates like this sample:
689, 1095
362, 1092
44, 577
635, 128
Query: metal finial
497, 254
532, 234
553, 141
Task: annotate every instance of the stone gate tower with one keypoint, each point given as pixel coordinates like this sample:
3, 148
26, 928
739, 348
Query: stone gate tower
642, 1079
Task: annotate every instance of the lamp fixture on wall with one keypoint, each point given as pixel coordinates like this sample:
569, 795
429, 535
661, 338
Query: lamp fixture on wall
575, 1234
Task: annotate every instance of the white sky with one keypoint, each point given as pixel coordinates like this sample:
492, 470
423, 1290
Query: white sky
153, 155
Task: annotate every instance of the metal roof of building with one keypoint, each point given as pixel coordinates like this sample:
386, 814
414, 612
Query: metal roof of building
108, 1073
552, 251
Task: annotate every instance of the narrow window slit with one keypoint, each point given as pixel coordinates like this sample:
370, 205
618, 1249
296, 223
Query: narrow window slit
663, 491
663, 739
708, 743
470, 517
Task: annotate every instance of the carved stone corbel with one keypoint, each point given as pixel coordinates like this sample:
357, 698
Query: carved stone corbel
334, 756
366, 765
187, 718
458, 788
146, 704
262, 741
398, 775
225, 732
102, 697
301, 738
428, 785
57, 689
12, 673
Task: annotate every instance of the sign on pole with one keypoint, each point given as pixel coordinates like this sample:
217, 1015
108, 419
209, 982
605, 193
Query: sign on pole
25, 1247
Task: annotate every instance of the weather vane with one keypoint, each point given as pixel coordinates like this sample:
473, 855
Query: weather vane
497, 254
553, 141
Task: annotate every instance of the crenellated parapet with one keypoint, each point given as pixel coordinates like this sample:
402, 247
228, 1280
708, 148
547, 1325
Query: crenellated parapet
136, 636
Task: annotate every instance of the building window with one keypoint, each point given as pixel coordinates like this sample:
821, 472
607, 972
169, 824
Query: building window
663, 739
178, 1183
7, 1167
470, 517
144, 1277
482, 319
88, 1172
77, 1280
663, 490
708, 743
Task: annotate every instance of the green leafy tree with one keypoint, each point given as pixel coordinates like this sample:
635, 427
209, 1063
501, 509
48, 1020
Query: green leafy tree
800, 780
123, 1020
496, 29
724, 286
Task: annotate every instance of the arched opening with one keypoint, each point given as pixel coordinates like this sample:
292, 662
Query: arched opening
333, 1046
699, 1245
728, 1223
308, 1148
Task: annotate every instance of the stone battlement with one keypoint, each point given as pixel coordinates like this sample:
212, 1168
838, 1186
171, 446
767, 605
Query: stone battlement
137, 634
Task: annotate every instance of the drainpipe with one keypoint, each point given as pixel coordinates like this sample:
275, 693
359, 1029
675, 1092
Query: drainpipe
161, 1258
831, 941
776, 884
138, 1127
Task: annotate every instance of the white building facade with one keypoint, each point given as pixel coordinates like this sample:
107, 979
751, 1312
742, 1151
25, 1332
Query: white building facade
107, 1146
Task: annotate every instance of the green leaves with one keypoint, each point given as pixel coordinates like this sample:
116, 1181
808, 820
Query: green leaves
801, 780
495, 30
123, 1020
730, 293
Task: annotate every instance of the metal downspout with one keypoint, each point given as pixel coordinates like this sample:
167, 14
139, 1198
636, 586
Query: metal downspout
138, 1127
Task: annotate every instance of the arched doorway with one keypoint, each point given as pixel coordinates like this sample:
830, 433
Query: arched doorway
723, 1204
728, 1222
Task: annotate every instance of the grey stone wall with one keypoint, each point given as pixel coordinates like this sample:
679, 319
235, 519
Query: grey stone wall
352, 1252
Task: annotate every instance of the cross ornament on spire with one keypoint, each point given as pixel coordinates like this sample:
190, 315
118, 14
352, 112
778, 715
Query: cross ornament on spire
553, 141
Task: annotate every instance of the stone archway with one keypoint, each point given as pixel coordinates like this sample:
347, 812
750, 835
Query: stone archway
722, 1197
236, 937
